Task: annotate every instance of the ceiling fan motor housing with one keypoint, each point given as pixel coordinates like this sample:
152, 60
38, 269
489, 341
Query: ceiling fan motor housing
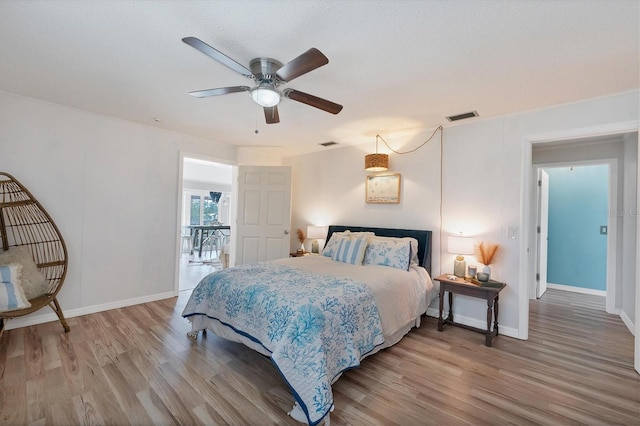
264, 70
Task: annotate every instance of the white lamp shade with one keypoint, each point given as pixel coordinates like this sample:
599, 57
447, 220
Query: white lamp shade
458, 244
265, 96
317, 232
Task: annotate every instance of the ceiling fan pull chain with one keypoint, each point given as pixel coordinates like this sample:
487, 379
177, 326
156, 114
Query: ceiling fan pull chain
257, 109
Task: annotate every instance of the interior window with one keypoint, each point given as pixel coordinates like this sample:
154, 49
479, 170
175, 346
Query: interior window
194, 210
210, 215
202, 210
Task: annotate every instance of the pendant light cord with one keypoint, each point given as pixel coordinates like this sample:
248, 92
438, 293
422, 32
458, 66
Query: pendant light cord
441, 197
414, 149
441, 129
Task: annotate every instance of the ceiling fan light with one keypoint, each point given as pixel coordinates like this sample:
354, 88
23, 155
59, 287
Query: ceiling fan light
265, 96
376, 162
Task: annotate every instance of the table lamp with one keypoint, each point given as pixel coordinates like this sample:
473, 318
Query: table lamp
459, 245
316, 233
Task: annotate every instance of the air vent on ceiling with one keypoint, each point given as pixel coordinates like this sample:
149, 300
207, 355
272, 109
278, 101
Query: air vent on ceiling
330, 143
462, 116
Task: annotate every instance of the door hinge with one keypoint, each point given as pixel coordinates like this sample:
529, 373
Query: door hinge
538, 229
537, 277
539, 182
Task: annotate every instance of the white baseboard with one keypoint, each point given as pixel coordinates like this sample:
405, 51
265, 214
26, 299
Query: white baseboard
29, 320
474, 322
582, 290
627, 321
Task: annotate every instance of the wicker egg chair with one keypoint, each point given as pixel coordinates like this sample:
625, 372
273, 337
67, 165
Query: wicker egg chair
24, 222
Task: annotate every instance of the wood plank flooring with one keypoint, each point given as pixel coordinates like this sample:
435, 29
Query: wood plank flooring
136, 366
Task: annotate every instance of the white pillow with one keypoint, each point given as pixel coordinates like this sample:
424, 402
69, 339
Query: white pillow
11, 294
395, 252
351, 250
33, 281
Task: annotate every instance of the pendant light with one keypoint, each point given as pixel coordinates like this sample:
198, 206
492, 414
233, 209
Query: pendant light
376, 162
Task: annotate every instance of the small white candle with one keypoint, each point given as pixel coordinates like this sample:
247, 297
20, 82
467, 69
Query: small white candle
472, 271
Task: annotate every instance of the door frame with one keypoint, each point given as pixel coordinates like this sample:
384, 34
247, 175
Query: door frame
542, 212
180, 202
612, 224
524, 264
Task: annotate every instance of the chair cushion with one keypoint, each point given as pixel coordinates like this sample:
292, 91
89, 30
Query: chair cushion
33, 281
11, 294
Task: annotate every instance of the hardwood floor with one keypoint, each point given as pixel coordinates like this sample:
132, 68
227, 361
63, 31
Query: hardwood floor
136, 366
191, 272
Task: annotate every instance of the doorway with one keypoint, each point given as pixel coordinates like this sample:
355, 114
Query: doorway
205, 219
573, 201
575, 145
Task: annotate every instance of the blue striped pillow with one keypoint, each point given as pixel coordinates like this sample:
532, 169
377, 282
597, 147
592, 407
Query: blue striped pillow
11, 294
333, 243
351, 250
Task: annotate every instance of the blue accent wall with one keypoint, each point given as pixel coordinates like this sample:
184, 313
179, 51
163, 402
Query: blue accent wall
578, 203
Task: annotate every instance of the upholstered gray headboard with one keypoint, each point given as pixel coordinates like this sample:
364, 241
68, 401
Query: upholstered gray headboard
423, 237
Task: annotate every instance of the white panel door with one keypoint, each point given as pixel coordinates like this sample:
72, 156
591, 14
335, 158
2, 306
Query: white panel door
264, 213
543, 232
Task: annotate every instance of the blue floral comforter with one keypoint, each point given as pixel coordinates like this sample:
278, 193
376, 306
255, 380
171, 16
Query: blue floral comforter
315, 326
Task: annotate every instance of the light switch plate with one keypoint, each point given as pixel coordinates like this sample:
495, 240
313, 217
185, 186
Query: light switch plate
512, 232
603, 229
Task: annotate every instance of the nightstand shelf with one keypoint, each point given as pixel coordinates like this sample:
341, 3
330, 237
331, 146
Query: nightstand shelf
461, 286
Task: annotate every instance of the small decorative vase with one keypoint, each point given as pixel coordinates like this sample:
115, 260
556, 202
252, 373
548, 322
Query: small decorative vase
487, 270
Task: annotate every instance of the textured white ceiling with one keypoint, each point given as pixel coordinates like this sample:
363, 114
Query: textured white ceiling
398, 67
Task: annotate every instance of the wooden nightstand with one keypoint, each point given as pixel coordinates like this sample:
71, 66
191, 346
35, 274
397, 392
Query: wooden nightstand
296, 254
460, 286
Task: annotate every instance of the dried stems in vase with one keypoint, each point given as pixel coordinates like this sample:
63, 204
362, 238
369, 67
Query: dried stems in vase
301, 238
486, 252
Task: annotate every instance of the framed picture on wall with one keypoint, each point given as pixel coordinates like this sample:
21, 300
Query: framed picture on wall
383, 189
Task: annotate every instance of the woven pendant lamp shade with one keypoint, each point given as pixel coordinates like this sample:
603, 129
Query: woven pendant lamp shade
376, 162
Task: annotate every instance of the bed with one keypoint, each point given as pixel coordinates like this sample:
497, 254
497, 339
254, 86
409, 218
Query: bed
317, 316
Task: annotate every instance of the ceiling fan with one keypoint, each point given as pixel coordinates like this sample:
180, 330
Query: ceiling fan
268, 74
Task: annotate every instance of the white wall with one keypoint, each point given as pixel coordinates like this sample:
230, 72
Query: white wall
99, 178
483, 189
111, 186
200, 174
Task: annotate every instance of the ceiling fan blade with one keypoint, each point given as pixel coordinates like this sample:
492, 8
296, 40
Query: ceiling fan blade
217, 55
219, 91
308, 61
271, 115
313, 101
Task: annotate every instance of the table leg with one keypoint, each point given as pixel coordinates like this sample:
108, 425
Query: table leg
201, 241
440, 320
488, 335
450, 316
495, 315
